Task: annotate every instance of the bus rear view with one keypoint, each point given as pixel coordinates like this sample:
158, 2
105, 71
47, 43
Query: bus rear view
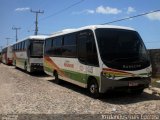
125, 62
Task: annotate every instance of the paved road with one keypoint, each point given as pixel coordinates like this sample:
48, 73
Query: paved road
21, 93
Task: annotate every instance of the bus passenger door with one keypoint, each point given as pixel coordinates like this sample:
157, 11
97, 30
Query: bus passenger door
82, 56
87, 54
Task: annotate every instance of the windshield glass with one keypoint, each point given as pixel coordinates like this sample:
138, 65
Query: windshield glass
122, 49
37, 48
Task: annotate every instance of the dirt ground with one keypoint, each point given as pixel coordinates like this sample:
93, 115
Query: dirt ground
23, 94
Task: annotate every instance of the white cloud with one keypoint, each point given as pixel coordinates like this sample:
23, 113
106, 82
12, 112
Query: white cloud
90, 11
99, 10
107, 10
87, 11
154, 16
130, 10
22, 9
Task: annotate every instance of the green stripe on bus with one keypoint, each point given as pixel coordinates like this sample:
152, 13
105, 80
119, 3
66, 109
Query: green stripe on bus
48, 69
80, 77
73, 75
20, 61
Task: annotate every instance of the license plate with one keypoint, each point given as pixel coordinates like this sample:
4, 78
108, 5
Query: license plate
132, 84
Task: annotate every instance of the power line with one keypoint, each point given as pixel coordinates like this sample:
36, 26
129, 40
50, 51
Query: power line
131, 17
62, 10
139, 15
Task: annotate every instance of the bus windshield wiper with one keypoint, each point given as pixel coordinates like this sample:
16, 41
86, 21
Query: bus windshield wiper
117, 59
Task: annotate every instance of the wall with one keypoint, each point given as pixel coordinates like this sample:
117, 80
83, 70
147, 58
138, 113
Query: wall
155, 60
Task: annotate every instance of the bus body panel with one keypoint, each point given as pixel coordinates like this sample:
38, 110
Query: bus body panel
20, 58
4, 58
71, 70
0, 57
7, 55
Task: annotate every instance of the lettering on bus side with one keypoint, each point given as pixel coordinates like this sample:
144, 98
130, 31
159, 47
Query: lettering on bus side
68, 64
81, 68
89, 69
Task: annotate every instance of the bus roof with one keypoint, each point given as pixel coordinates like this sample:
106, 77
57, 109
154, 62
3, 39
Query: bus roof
38, 37
7, 46
92, 27
33, 37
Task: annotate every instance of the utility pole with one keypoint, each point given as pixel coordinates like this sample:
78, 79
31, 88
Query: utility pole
8, 41
16, 29
1, 48
36, 22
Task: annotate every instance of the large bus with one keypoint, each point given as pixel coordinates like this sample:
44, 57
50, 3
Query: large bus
28, 53
7, 55
99, 57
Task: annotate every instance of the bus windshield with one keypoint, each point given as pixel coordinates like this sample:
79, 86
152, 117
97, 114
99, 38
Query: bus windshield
37, 48
122, 49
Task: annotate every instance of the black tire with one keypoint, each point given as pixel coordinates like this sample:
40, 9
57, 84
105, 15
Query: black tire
137, 92
15, 65
14, 62
57, 80
93, 88
25, 67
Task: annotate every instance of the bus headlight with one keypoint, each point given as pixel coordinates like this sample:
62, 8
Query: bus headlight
107, 75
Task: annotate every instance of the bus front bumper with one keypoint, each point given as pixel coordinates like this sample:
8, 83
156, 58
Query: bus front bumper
123, 84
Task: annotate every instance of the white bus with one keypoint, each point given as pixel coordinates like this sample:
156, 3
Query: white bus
28, 53
7, 55
99, 57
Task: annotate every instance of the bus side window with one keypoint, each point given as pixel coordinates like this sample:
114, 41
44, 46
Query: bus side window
81, 46
92, 57
87, 52
28, 47
48, 45
57, 46
18, 45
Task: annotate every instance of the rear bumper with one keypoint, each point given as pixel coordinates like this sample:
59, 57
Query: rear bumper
124, 84
9, 62
36, 67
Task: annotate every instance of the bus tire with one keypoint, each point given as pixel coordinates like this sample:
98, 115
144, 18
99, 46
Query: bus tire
137, 92
93, 88
15, 64
25, 66
57, 80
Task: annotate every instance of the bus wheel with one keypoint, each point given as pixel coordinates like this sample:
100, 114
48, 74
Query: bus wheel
93, 88
57, 80
137, 92
15, 64
25, 67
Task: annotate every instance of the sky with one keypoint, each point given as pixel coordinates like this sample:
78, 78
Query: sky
66, 14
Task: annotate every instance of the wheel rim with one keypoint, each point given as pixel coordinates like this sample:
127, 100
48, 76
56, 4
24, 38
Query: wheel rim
93, 88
